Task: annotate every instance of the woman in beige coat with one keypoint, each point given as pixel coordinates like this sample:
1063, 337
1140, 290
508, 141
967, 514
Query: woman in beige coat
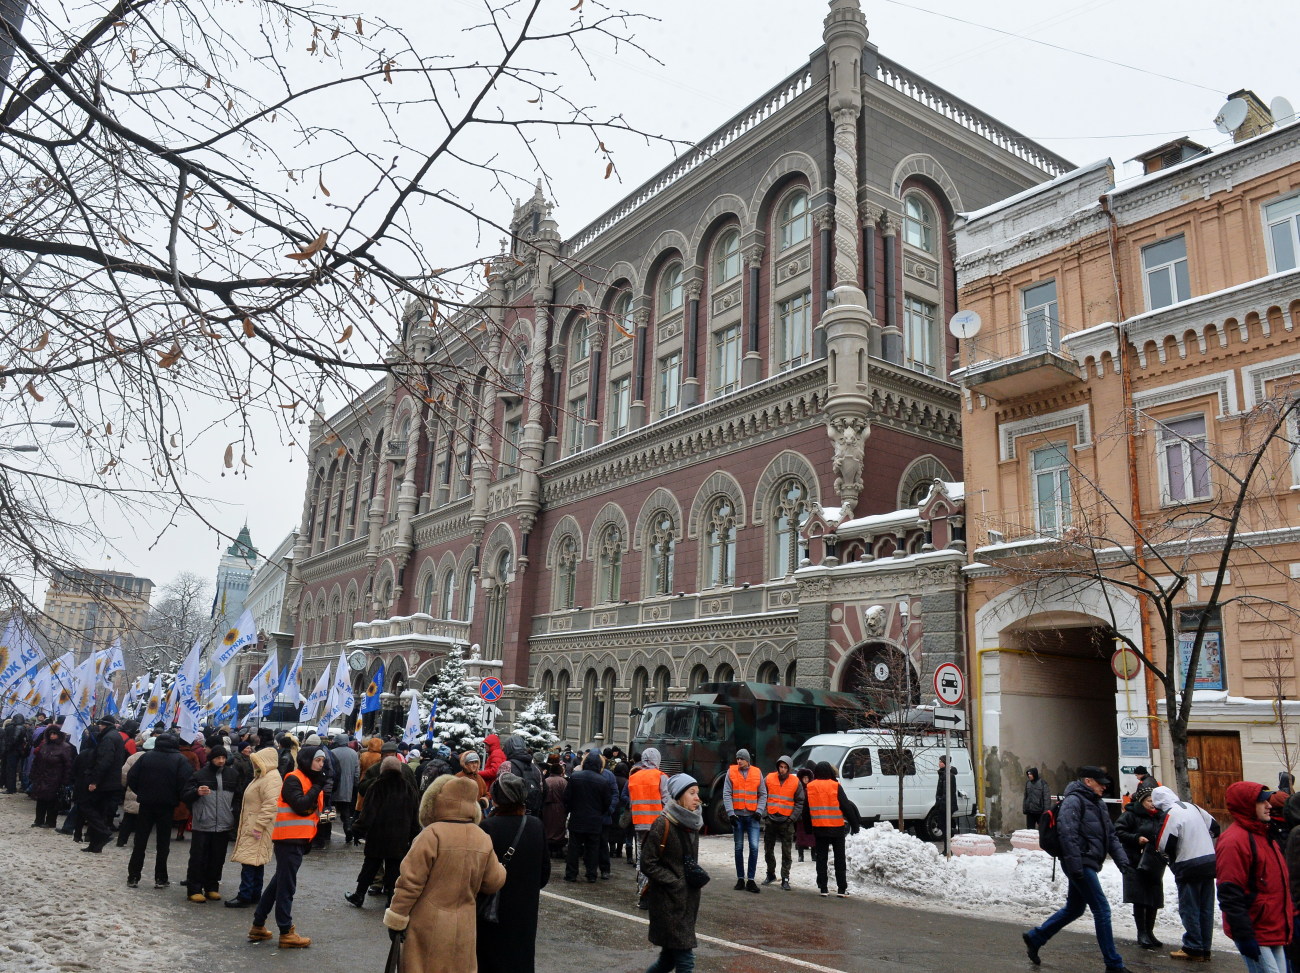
253, 845
450, 862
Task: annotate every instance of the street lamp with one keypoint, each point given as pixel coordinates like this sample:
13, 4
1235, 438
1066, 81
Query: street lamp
24, 448
55, 423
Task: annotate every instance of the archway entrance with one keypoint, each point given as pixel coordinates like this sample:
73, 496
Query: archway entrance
882, 677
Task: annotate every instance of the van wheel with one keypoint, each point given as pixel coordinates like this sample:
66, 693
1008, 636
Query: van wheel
933, 826
717, 817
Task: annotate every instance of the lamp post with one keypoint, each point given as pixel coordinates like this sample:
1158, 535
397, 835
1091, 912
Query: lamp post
23, 448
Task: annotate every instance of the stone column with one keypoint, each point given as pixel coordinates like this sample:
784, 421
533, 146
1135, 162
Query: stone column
690, 394
751, 365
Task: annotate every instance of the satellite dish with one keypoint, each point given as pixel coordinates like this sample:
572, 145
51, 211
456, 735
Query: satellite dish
1230, 116
1283, 113
964, 324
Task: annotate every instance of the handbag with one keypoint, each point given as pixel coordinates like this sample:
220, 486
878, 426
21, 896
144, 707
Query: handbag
394, 962
488, 906
1152, 862
663, 843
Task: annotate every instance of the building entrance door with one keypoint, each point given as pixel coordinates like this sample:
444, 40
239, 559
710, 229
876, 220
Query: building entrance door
1216, 758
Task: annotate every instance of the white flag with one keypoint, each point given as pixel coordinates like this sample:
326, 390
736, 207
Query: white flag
114, 663
411, 734
264, 686
84, 682
318, 696
341, 698
243, 635
153, 707
18, 651
291, 690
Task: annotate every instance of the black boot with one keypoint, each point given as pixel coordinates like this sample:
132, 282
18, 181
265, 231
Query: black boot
1152, 911
1140, 920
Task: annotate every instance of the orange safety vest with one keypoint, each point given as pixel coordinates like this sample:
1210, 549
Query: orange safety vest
824, 804
288, 822
744, 790
647, 801
780, 797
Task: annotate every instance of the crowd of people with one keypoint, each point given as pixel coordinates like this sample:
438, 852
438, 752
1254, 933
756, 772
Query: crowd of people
1251, 866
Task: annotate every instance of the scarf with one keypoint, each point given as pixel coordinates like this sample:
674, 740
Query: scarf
690, 820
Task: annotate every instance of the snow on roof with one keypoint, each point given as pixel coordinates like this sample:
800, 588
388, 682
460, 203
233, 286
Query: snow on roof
1033, 191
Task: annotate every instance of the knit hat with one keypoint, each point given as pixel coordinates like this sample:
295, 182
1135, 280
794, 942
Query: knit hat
389, 747
679, 783
509, 789
312, 740
741, 754
218, 751
470, 756
1142, 792
650, 758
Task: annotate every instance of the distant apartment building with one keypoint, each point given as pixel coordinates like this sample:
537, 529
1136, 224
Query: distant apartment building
265, 600
87, 609
1135, 342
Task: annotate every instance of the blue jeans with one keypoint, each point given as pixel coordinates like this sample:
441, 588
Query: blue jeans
681, 960
1085, 893
1196, 909
1272, 959
746, 824
250, 882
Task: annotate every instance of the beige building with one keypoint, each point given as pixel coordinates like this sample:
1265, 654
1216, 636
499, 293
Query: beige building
87, 609
1129, 397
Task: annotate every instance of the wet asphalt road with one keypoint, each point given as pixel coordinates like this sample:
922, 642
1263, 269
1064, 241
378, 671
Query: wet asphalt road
596, 928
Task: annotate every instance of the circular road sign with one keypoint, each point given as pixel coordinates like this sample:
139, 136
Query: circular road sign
491, 689
949, 684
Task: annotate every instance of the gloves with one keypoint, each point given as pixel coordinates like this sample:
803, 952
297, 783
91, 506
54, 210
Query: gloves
399, 935
732, 819
1248, 948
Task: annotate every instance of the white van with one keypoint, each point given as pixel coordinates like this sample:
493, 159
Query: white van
868, 763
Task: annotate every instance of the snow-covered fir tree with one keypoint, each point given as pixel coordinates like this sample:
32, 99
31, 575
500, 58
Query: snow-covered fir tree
459, 722
536, 725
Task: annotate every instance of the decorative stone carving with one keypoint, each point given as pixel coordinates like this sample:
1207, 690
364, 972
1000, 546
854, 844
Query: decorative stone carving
873, 620
578, 376
754, 255
847, 437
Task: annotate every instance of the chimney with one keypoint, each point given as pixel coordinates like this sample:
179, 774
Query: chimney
1259, 119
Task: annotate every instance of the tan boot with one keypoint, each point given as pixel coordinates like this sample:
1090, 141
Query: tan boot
214, 896
291, 939
259, 934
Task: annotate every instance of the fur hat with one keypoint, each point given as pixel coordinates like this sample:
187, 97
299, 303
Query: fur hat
509, 789
451, 799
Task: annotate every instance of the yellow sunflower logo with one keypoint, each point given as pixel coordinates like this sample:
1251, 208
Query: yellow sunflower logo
231, 637
84, 700
357, 727
372, 689
4, 656
56, 667
65, 697
154, 703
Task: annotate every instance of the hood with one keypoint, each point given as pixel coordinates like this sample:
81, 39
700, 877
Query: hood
516, 748
1164, 798
339, 740
19, 720
305, 756
1033, 773
650, 758
824, 770
167, 742
264, 761
374, 744
1241, 799
451, 799
593, 763
492, 740
784, 759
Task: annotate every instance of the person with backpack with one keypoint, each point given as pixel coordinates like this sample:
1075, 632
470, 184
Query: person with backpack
1254, 891
519, 761
1079, 831
1187, 839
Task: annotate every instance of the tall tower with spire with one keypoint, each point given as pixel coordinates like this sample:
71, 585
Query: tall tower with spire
234, 573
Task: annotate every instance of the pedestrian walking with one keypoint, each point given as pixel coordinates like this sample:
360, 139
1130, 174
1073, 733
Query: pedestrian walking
588, 798
130, 803
1037, 798
388, 822
158, 779
804, 840
297, 815
1138, 830
450, 862
1253, 884
785, 801
1292, 854
831, 814
522, 765
349, 764
947, 782
744, 797
181, 813
212, 795
17, 738
648, 795
51, 772
1187, 839
554, 816
254, 840
103, 784
670, 860
1087, 837
496, 756
518, 838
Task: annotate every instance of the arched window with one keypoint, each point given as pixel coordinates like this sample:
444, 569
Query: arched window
769, 674
426, 594
498, 595
662, 678
449, 594
660, 545
789, 514
918, 222
699, 676
794, 221
471, 594
609, 558
592, 704
566, 573
624, 319
790, 672
726, 258
562, 703
724, 673
640, 687
670, 289
548, 694
386, 596
580, 345
720, 540
607, 704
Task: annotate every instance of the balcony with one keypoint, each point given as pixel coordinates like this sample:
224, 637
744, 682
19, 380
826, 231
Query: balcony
992, 369
403, 632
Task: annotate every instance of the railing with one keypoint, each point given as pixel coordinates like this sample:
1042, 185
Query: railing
419, 624
705, 150
969, 117
396, 447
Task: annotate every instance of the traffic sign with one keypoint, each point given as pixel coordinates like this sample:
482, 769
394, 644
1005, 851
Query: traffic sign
490, 689
949, 719
949, 683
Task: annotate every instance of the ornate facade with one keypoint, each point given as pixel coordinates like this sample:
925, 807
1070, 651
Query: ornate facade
616, 503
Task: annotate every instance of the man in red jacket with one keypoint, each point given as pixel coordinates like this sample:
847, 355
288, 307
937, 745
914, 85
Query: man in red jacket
1254, 894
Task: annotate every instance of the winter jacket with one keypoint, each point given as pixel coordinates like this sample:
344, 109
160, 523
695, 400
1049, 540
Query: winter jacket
159, 777
1037, 796
950, 774
553, 811
1086, 832
300, 801
182, 810
370, 756
1186, 837
672, 903
523, 766
449, 864
1254, 893
390, 818
106, 771
496, 756
349, 773
219, 810
254, 842
511, 947
1142, 888
51, 768
589, 798
130, 803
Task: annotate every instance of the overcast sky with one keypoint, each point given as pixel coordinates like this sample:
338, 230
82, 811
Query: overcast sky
721, 54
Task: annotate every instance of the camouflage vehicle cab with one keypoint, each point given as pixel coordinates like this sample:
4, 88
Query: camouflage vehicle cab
701, 733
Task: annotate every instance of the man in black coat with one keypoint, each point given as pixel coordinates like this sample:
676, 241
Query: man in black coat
17, 738
158, 779
588, 799
522, 766
103, 784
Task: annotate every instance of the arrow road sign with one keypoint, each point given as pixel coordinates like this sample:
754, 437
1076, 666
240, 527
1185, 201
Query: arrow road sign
950, 719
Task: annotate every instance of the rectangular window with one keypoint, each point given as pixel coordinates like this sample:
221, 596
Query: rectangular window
576, 436
1209, 667
620, 402
897, 763
726, 360
1042, 325
1282, 222
920, 349
1051, 481
511, 436
670, 384
794, 330
1184, 461
1164, 269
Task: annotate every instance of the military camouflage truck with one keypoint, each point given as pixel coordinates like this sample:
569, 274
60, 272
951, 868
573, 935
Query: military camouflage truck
701, 733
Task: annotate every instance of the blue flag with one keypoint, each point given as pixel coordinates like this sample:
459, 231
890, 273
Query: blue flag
370, 703
433, 712
228, 712
110, 705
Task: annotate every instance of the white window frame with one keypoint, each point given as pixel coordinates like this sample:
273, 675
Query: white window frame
794, 331
625, 315
925, 224
1169, 267
1061, 487
1051, 311
512, 432
919, 328
727, 262
1187, 447
620, 405
670, 289
670, 384
575, 439
1290, 218
726, 359
792, 224
581, 341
